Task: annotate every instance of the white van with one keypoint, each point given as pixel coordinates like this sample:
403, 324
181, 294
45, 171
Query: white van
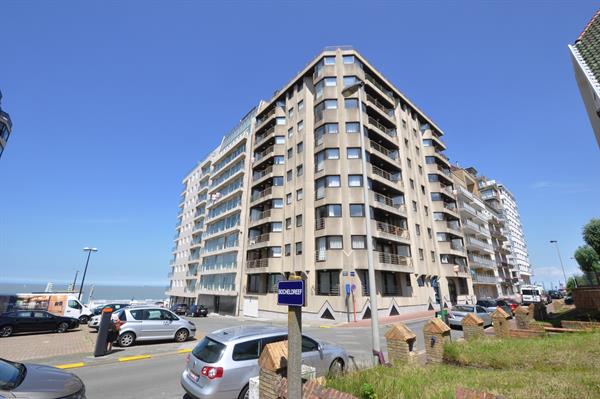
531, 294
58, 303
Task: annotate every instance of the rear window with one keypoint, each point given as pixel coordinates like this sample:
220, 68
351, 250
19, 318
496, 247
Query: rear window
209, 350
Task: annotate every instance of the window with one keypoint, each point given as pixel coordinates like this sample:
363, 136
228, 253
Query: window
308, 345
279, 139
330, 81
298, 220
288, 223
414, 205
426, 210
409, 162
333, 181
288, 249
300, 105
350, 103
412, 184
290, 132
350, 80
280, 120
353, 152
429, 232
299, 170
420, 170
299, 248
279, 160
352, 127
300, 126
290, 175
328, 283
421, 255
323, 182
390, 284
433, 256
327, 104
290, 153
276, 226
275, 252
438, 216
355, 181
300, 147
359, 242
418, 229
422, 189
273, 279
328, 211
330, 60
288, 198
278, 181
357, 210
73, 304
246, 350
328, 128
348, 59
291, 113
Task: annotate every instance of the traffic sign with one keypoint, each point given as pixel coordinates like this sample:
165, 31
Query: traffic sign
291, 293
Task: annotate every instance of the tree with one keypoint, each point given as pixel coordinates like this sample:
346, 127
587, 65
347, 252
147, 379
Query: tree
588, 260
591, 234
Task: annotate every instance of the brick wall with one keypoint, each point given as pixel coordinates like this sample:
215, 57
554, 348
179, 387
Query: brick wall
435, 352
518, 333
473, 332
399, 351
587, 298
580, 325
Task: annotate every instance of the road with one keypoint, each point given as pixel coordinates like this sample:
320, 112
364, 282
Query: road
158, 377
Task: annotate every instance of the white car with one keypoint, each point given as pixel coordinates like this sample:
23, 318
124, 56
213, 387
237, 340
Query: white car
152, 324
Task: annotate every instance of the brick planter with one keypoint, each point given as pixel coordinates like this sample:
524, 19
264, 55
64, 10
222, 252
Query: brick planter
522, 317
400, 343
500, 323
472, 327
436, 333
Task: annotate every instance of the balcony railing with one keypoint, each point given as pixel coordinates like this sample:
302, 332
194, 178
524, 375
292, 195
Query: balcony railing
392, 259
262, 173
319, 223
257, 263
374, 101
450, 205
390, 132
264, 153
381, 149
475, 226
191, 273
392, 229
261, 194
375, 83
262, 215
457, 246
482, 261
265, 117
388, 201
395, 177
259, 239
479, 243
480, 278
264, 136
453, 225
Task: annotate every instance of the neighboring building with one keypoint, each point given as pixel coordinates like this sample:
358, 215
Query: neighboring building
307, 210
208, 255
5, 127
585, 55
475, 219
503, 203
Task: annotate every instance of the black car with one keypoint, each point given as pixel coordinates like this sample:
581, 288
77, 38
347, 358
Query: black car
179, 308
569, 299
34, 320
554, 294
197, 311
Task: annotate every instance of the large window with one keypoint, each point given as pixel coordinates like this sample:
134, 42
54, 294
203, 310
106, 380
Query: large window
355, 180
391, 284
359, 242
353, 152
321, 156
326, 104
352, 127
328, 211
328, 282
350, 80
350, 103
328, 128
357, 210
324, 182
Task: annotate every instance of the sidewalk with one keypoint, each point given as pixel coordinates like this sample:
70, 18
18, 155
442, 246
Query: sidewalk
391, 319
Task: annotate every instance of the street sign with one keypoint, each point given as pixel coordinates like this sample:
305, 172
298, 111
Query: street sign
348, 289
291, 293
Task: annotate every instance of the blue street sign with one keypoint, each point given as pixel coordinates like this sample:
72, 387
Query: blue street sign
347, 289
352, 274
291, 293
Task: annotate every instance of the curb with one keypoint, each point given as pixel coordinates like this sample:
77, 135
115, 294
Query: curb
70, 365
132, 358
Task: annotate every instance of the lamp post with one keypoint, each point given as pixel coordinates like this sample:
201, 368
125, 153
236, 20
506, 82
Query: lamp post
358, 86
89, 251
75, 280
555, 242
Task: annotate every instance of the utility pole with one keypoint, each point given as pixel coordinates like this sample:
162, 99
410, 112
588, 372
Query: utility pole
89, 251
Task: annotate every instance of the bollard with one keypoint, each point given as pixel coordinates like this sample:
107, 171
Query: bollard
100, 349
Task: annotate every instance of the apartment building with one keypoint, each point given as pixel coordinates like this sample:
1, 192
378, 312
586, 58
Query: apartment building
516, 259
585, 56
208, 252
308, 213
5, 127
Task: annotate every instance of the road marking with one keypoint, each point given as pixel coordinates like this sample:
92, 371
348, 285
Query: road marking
70, 365
324, 326
131, 358
184, 351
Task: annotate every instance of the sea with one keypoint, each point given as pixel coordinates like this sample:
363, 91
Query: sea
98, 292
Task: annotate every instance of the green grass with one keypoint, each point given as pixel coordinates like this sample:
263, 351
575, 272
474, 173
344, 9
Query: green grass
562, 366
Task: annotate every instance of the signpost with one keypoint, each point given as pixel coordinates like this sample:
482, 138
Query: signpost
293, 294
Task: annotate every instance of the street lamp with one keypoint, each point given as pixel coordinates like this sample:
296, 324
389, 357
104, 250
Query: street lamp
89, 251
358, 87
561, 263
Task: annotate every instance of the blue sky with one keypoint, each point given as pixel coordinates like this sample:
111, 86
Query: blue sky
113, 103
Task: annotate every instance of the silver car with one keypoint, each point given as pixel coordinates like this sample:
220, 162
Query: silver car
458, 312
221, 365
34, 381
152, 324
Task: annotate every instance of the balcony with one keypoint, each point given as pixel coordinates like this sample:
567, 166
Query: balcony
390, 229
392, 177
392, 259
257, 263
265, 135
389, 113
478, 244
191, 273
262, 215
472, 226
263, 154
381, 128
263, 238
265, 117
456, 245
466, 208
261, 194
453, 225
260, 174
484, 279
481, 261
388, 203
392, 154
379, 86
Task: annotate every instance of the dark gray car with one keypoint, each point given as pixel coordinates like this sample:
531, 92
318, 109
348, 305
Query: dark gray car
35, 381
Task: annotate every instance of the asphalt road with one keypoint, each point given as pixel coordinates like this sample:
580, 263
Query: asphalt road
158, 377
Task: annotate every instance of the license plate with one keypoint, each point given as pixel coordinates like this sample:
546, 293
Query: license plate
193, 376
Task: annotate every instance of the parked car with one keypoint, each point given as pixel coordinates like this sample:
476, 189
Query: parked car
458, 312
94, 322
512, 303
197, 311
531, 294
555, 294
26, 380
34, 320
179, 308
152, 324
491, 304
569, 299
221, 365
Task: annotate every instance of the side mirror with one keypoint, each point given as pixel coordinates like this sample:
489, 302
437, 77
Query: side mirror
320, 348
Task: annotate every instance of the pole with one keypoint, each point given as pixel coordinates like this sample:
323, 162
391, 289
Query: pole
84, 273
294, 368
74, 281
561, 264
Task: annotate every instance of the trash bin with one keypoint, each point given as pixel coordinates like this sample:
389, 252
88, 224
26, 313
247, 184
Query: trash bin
443, 314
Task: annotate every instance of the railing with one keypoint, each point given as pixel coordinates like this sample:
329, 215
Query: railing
264, 136
386, 130
375, 83
381, 149
197, 240
391, 229
388, 201
450, 205
448, 190
191, 273
446, 172
482, 261
262, 173
386, 175
194, 257
319, 223
259, 239
457, 246
392, 259
374, 101
480, 278
479, 243
265, 117
475, 226
333, 291
261, 194
262, 215
257, 263
264, 153
198, 227
321, 255
453, 225
444, 156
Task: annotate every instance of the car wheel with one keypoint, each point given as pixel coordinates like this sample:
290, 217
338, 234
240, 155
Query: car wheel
6, 331
126, 339
62, 327
245, 394
182, 335
337, 368
83, 319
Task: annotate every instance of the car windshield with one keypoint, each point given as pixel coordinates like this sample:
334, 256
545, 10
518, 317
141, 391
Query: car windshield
97, 311
529, 292
209, 350
463, 309
11, 374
